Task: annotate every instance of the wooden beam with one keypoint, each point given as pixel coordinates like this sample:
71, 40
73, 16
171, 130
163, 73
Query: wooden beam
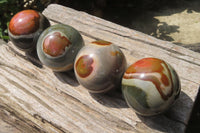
35, 99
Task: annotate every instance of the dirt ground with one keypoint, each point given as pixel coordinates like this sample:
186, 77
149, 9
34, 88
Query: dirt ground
177, 21
179, 24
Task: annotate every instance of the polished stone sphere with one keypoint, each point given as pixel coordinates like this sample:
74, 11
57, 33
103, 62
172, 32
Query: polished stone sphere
25, 28
99, 66
150, 86
58, 46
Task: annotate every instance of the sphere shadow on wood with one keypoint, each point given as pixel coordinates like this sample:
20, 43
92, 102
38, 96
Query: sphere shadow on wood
112, 99
33, 58
67, 77
171, 118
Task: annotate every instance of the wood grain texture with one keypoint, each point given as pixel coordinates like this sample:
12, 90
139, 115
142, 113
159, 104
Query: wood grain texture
35, 99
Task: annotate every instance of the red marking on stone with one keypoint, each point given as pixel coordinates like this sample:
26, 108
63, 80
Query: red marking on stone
146, 65
54, 44
150, 65
102, 42
84, 66
115, 53
24, 22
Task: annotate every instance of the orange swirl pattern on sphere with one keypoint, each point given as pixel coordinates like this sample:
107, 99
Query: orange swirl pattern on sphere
146, 67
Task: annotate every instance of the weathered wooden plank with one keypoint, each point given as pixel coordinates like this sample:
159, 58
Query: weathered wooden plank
35, 99
137, 44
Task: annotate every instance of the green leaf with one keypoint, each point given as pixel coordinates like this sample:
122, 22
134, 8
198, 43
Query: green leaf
3, 1
5, 37
7, 23
6, 31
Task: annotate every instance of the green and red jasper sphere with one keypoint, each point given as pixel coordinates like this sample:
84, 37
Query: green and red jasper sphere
25, 28
150, 86
99, 66
58, 46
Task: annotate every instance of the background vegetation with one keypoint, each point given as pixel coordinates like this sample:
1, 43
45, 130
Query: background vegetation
8, 8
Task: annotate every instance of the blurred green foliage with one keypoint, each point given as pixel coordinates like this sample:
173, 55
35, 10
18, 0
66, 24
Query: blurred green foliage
7, 9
